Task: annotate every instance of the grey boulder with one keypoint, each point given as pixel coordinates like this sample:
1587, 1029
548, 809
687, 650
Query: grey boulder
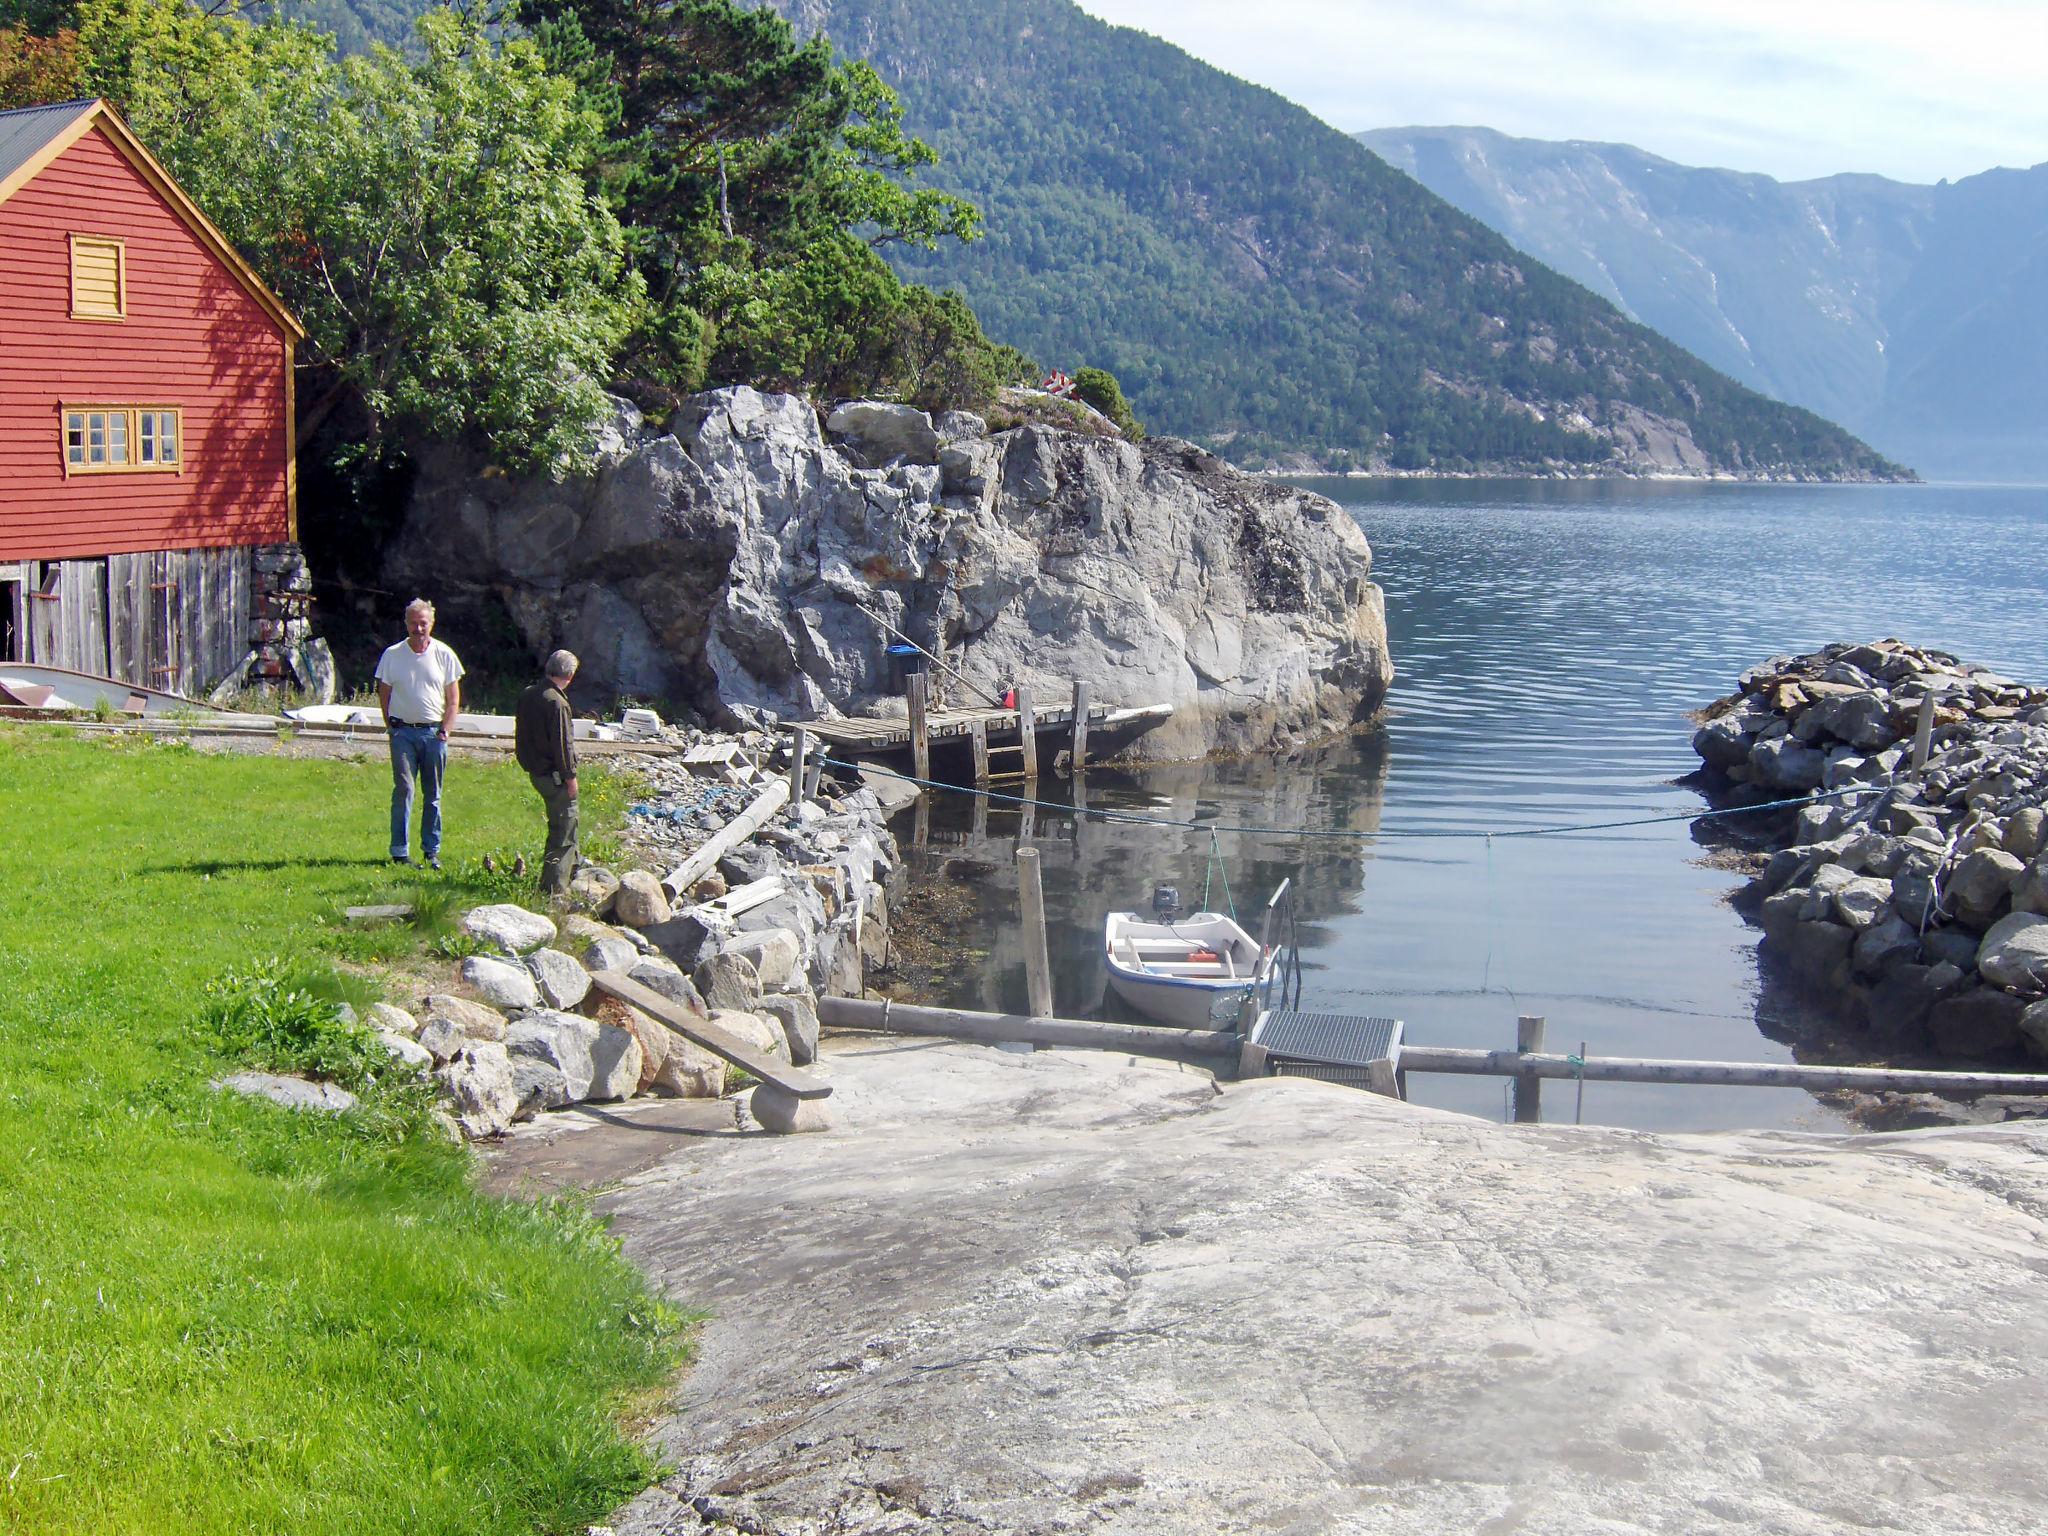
562, 1040
2015, 953
641, 901
563, 983
478, 1083
510, 928
501, 983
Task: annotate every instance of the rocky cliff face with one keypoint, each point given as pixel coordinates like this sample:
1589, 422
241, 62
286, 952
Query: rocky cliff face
747, 561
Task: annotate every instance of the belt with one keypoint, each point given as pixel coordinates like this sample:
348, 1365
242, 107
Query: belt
417, 725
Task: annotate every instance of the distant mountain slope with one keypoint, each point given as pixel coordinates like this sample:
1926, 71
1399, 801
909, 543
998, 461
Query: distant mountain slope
1914, 315
1257, 279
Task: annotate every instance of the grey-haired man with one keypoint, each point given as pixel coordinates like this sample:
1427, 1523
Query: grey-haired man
544, 741
419, 688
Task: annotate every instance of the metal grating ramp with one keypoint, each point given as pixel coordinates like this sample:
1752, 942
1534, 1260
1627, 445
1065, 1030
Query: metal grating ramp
1330, 1047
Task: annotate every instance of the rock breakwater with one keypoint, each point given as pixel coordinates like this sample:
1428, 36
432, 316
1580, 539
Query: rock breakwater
1914, 901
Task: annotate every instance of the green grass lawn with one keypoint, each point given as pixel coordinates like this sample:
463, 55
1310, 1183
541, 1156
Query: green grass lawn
218, 1316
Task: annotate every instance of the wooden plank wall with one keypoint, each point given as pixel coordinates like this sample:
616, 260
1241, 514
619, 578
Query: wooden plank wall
175, 619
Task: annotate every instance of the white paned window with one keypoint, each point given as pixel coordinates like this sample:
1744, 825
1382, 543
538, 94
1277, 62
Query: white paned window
100, 439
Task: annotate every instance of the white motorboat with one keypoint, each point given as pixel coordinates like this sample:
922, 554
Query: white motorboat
1183, 972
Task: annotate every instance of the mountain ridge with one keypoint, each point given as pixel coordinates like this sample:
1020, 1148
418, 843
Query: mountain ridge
1896, 308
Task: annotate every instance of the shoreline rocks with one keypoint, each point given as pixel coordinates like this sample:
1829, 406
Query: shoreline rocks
1915, 903
797, 912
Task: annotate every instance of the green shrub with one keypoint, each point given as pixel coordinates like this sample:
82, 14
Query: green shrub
1098, 386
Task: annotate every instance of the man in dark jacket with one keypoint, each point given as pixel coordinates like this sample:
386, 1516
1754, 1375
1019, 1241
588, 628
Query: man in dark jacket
545, 744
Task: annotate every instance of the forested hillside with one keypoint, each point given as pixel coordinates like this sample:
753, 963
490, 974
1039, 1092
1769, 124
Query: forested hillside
1256, 279
1253, 276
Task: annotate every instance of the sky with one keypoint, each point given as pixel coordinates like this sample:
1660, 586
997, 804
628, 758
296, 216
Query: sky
1913, 89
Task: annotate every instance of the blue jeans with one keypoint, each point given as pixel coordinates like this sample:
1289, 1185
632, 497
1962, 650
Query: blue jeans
417, 752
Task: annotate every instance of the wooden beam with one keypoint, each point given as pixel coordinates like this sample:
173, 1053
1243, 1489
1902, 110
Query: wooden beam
977, 737
1528, 1094
920, 726
702, 1032
1078, 754
1037, 967
1739, 1074
735, 832
798, 749
1027, 732
1207, 1046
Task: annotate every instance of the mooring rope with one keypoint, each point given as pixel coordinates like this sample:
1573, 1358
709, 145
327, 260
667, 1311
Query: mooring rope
1253, 829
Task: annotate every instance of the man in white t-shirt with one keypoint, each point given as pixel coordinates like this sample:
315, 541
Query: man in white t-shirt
419, 686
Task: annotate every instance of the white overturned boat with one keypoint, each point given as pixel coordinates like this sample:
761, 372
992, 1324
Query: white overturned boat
1182, 972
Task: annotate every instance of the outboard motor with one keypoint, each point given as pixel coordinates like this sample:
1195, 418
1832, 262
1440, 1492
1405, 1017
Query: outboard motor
1166, 903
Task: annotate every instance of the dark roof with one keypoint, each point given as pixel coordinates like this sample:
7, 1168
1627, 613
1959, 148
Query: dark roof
25, 130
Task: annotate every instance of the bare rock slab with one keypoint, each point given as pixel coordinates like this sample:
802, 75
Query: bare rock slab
1042, 1318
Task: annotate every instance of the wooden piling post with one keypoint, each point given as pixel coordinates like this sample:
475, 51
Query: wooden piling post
1037, 963
1027, 733
1079, 753
1528, 1096
799, 750
1923, 732
977, 738
920, 738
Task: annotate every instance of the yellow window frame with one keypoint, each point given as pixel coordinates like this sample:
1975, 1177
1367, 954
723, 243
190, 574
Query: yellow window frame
120, 249
130, 417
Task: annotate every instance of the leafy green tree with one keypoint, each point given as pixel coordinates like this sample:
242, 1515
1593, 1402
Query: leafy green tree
1099, 388
35, 71
429, 219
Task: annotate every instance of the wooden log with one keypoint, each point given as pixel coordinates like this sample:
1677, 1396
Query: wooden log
1037, 966
1528, 1093
798, 749
1078, 754
920, 726
1923, 733
1208, 1046
1738, 1074
700, 1031
1027, 732
735, 832
977, 738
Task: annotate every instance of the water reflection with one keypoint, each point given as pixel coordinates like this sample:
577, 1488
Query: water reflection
1550, 640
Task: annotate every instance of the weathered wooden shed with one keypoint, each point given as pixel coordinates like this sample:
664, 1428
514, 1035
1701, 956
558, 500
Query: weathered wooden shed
148, 509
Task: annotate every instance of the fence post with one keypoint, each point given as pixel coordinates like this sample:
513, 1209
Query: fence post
1027, 733
1923, 732
920, 741
798, 751
1079, 754
977, 738
1037, 964
1528, 1093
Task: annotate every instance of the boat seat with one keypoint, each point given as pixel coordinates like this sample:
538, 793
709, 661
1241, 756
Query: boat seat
1189, 968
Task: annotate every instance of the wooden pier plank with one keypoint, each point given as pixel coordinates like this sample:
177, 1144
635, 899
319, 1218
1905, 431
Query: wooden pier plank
702, 1032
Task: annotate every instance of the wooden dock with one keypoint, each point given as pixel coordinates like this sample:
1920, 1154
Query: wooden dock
874, 735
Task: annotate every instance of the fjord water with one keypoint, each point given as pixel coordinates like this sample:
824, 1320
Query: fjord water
1550, 639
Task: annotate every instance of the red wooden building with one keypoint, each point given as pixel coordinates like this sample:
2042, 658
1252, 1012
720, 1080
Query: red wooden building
147, 473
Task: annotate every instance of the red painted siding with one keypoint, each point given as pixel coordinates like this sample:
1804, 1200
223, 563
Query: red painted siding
194, 338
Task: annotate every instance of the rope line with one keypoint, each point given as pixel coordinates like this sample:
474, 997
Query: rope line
1347, 834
